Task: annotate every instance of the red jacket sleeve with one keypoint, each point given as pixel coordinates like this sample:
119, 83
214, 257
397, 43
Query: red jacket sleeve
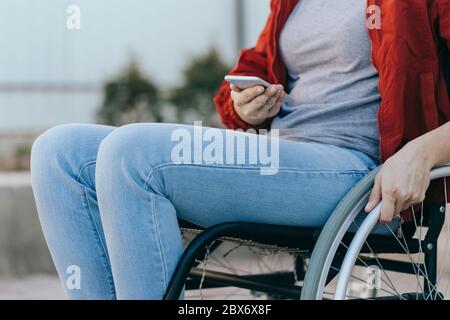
444, 20
252, 62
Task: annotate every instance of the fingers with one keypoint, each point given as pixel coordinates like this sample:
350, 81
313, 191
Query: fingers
234, 88
406, 201
390, 204
398, 189
255, 105
269, 110
277, 108
388, 208
375, 196
396, 201
246, 96
274, 100
271, 95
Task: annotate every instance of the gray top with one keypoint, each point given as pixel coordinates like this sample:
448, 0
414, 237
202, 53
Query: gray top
332, 82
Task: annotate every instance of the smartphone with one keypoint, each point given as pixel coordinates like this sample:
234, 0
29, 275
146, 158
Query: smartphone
245, 82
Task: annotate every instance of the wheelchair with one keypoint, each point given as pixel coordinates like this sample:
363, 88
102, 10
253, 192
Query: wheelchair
399, 261
351, 257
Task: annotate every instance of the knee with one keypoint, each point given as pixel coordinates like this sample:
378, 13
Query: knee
51, 146
62, 147
132, 151
121, 150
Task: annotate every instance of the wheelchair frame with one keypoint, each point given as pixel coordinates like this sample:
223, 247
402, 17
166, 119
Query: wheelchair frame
283, 284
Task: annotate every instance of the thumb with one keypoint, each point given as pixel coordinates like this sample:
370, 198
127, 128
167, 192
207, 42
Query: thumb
375, 196
234, 88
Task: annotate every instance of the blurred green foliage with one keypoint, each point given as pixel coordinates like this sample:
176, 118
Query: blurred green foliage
131, 97
23, 150
21, 160
201, 80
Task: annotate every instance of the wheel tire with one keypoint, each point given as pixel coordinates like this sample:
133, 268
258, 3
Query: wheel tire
329, 234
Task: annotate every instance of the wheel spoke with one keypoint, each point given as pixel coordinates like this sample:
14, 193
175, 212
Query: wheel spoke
364, 281
413, 264
418, 266
381, 267
392, 286
426, 278
447, 240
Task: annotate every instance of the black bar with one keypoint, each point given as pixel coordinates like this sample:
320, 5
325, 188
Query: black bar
283, 236
255, 284
193, 282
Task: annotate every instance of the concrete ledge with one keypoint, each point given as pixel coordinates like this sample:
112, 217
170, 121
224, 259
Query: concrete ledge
22, 247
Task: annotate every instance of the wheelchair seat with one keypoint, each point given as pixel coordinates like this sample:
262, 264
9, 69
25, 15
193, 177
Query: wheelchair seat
324, 248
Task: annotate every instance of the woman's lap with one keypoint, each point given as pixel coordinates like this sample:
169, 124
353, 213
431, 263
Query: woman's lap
308, 181
109, 198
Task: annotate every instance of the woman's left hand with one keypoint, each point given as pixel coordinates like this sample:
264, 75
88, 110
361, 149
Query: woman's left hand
402, 182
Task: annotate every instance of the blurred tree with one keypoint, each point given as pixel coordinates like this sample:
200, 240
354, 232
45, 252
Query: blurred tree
201, 79
22, 157
130, 98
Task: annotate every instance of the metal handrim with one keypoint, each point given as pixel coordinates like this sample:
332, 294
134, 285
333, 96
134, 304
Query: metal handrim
331, 237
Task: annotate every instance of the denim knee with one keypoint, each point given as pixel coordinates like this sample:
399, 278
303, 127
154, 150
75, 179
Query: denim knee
120, 154
65, 149
51, 147
131, 153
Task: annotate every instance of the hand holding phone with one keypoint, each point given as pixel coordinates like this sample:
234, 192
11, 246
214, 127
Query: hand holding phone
255, 100
245, 82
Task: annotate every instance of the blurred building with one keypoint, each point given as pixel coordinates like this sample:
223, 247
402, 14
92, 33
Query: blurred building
51, 75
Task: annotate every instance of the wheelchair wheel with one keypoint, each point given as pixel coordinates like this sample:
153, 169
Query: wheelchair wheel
244, 259
355, 258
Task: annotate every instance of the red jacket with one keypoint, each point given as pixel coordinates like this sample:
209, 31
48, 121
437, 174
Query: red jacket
407, 51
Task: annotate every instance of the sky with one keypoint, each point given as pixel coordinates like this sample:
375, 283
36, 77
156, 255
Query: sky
161, 34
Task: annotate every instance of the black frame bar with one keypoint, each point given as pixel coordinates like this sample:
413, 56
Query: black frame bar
279, 284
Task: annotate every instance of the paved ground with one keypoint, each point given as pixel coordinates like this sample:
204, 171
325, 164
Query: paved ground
48, 288
226, 259
15, 179
32, 288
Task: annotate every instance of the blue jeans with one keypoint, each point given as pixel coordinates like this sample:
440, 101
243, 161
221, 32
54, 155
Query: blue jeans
109, 200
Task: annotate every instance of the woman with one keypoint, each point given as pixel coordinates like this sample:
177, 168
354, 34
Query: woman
109, 198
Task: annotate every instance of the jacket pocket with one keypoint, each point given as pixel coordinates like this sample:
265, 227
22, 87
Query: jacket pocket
429, 104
